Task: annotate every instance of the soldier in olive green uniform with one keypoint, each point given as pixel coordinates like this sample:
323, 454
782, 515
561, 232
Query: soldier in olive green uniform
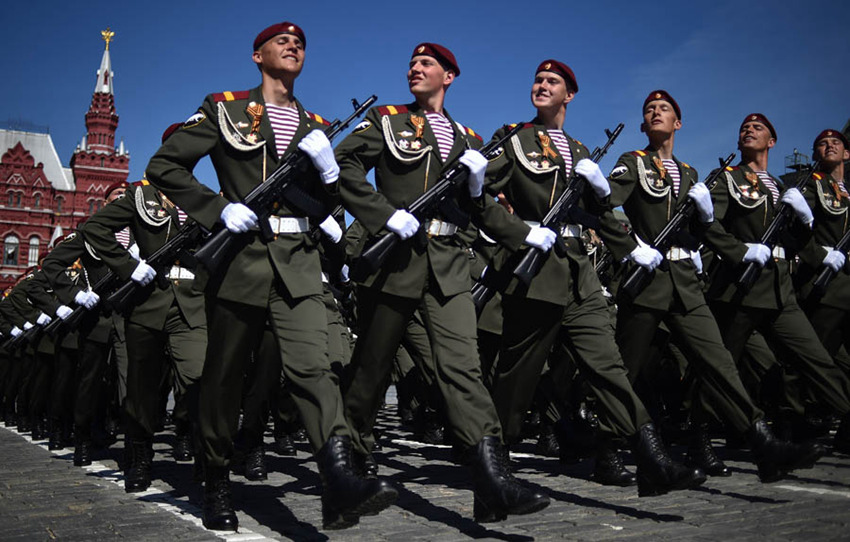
409, 146
745, 202
166, 323
650, 184
564, 301
277, 280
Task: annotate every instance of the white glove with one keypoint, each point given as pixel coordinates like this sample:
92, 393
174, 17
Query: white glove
757, 253
330, 227
702, 199
590, 170
43, 319
238, 218
403, 224
143, 274
542, 238
477, 165
835, 260
92, 299
697, 259
28, 325
795, 199
16, 331
134, 251
318, 148
646, 256
64, 312
343, 273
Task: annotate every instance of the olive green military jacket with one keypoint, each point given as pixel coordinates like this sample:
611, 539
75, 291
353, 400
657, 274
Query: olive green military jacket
830, 209
643, 187
221, 129
743, 209
40, 295
405, 167
532, 182
56, 266
19, 309
151, 222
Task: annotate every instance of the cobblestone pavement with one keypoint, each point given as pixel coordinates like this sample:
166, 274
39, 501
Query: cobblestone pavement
44, 497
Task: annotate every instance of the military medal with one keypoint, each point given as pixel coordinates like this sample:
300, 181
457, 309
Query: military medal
545, 140
255, 110
660, 166
404, 144
416, 145
405, 133
419, 123
752, 178
544, 164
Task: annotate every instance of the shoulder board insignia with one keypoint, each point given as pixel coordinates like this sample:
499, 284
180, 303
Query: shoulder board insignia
732, 168
317, 118
817, 176
524, 125
686, 165
230, 96
579, 142
392, 109
143, 182
638, 153
469, 131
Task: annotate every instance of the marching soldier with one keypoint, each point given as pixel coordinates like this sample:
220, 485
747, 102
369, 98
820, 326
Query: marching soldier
564, 303
745, 202
246, 134
650, 184
409, 146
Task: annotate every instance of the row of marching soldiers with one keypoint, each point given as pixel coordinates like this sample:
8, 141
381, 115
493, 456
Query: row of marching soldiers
279, 303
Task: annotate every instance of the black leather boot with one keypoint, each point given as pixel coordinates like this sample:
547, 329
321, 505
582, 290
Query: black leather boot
24, 424
346, 496
609, 469
657, 473
497, 492
429, 428
775, 458
82, 452
255, 464
39, 429
138, 476
183, 451
701, 454
547, 442
284, 444
364, 465
55, 440
218, 510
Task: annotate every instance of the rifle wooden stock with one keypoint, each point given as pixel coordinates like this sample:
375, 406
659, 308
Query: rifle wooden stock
423, 208
639, 277
771, 235
827, 273
531, 262
279, 185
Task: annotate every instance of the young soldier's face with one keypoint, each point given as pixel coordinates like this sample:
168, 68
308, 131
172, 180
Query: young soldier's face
659, 117
426, 76
283, 53
117, 193
830, 150
755, 136
550, 91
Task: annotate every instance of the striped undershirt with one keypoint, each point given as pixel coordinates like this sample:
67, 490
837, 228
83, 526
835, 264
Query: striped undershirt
770, 184
181, 216
284, 121
675, 175
842, 189
443, 131
563, 146
123, 237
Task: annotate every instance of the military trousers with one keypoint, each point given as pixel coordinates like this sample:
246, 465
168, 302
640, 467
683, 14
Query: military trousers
40, 396
450, 323
531, 328
261, 379
150, 353
788, 328
300, 326
720, 390
92, 357
832, 326
62, 384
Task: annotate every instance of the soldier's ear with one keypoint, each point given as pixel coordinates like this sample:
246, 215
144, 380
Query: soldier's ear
677, 125
643, 127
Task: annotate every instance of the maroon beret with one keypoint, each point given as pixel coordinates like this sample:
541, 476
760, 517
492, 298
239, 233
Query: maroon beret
58, 240
170, 130
831, 133
113, 187
663, 95
758, 117
561, 69
280, 28
443, 55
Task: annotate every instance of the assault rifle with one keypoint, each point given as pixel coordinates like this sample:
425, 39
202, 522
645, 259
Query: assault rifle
639, 276
424, 208
176, 249
771, 235
827, 274
280, 184
531, 260
102, 287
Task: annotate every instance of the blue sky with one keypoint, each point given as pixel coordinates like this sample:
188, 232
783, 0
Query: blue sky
721, 60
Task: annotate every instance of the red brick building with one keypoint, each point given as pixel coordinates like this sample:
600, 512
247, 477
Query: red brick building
40, 199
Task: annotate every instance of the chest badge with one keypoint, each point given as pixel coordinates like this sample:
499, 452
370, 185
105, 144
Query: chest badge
255, 111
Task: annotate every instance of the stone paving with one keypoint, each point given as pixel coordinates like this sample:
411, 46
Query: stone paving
44, 497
